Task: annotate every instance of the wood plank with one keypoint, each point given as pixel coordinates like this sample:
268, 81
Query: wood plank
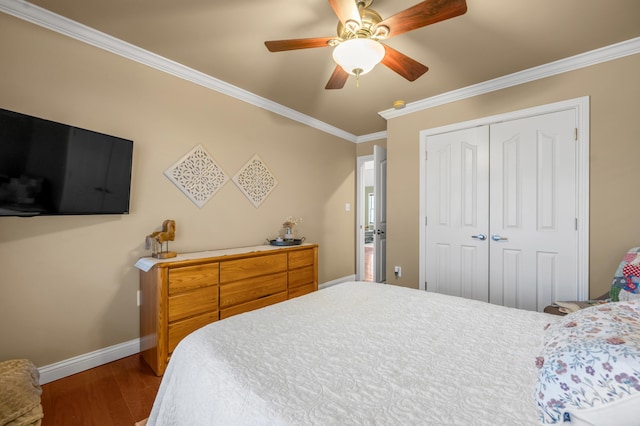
179, 329
152, 315
301, 290
301, 276
118, 393
192, 277
301, 258
251, 289
235, 270
250, 306
192, 303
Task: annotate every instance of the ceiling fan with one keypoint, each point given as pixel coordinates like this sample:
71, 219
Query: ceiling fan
357, 47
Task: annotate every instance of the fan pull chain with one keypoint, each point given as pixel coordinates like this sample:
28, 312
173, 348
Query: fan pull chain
357, 72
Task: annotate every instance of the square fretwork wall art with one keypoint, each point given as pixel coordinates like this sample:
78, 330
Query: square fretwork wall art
197, 175
255, 180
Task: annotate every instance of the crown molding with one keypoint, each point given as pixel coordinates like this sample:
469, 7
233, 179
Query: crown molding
372, 137
54, 22
608, 53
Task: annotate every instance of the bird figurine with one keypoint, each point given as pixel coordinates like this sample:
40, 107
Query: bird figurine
156, 240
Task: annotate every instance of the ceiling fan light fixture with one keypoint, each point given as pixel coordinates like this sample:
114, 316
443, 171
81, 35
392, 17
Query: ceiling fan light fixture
358, 56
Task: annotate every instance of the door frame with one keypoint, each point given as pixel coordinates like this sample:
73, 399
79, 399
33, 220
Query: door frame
380, 214
360, 203
581, 108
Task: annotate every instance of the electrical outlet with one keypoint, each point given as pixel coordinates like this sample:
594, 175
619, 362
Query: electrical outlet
398, 271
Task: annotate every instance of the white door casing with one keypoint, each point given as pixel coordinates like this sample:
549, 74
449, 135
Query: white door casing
380, 215
509, 255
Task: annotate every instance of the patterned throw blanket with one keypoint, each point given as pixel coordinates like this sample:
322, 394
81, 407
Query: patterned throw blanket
626, 282
20, 389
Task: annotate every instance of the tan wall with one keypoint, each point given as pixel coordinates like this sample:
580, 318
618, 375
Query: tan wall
68, 283
614, 90
366, 148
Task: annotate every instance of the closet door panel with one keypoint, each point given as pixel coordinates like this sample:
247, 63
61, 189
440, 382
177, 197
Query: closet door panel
457, 213
533, 211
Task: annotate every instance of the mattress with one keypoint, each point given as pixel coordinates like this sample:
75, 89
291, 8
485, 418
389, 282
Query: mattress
358, 353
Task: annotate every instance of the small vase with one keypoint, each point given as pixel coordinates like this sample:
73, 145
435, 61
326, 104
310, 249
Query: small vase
288, 235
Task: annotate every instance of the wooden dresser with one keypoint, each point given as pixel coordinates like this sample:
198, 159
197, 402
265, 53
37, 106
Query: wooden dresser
182, 294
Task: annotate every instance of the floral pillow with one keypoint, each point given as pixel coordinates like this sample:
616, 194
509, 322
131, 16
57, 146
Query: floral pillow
589, 370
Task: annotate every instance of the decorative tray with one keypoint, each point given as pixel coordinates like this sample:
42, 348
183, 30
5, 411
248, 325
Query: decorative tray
294, 242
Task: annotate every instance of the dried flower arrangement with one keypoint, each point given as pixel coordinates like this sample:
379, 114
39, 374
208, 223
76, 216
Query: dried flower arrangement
290, 222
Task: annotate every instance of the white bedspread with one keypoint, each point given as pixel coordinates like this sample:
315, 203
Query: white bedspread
358, 353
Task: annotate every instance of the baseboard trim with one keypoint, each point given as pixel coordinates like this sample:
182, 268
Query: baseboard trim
78, 364
337, 281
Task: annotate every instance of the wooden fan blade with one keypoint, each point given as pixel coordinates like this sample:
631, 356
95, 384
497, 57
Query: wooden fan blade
423, 14
402, 64
337, 79
346, 10
295, 44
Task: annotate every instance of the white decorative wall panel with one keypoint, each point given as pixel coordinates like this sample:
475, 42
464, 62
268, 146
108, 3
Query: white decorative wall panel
547, 181
467, 272
469, 184
547, 264
512, 183
443, 162
197, 175
442, 275
255, 180
511, 279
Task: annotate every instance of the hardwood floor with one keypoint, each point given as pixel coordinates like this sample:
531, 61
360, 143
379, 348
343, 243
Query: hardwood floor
119, 393
368, 263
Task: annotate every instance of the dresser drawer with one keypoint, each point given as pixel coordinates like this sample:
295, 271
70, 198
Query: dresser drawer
251, 289
192, 277
235, 270
179, 329
301, 258
192, 303
255, 304
301, 276
301, 290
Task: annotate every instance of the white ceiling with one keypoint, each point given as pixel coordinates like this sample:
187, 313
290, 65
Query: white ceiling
225, 40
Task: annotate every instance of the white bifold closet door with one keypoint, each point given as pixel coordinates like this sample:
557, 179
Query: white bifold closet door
501, 212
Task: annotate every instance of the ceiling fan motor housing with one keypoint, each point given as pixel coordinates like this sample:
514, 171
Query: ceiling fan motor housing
370, 19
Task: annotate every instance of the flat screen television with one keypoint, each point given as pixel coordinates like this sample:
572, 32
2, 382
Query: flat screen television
49, 168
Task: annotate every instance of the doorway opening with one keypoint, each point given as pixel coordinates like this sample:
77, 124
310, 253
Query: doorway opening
365, 247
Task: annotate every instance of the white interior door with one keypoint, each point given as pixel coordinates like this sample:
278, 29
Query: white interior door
533, 257
457, 258
515, 184
380, 216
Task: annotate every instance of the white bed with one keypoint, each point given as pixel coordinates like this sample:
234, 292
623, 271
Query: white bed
358, 353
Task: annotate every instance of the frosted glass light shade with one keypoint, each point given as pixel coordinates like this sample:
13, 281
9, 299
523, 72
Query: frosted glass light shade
358, 54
